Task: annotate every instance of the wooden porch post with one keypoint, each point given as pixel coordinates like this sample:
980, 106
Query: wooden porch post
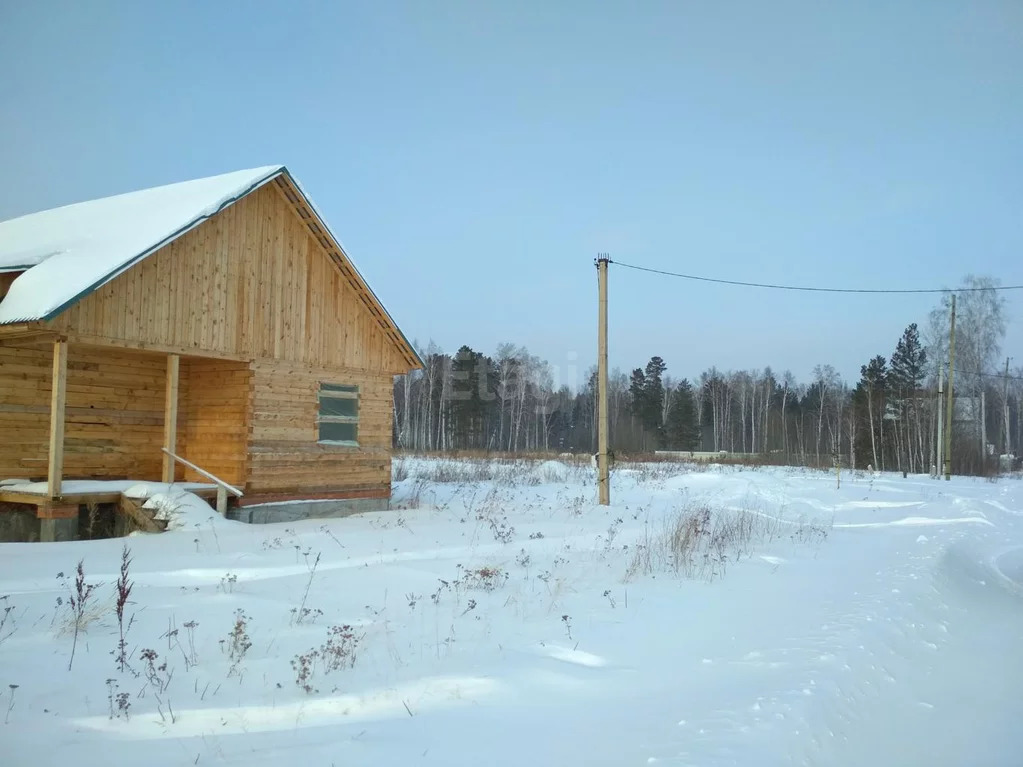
170, 416
58, 401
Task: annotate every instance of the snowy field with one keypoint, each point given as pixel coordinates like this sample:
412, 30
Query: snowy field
711, 616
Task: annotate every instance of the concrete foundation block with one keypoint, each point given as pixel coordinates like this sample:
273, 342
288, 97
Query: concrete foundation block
293, 511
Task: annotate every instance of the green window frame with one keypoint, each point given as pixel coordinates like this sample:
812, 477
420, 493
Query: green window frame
337, 417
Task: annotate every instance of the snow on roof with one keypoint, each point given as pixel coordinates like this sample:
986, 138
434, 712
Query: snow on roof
70, 251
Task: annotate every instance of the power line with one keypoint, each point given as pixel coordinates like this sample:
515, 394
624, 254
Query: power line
808, 289
999, 376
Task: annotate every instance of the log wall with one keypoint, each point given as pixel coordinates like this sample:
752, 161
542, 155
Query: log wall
213, 419
285, 457
114, 414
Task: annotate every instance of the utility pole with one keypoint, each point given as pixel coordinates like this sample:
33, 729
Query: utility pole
951, 388
938, 458
603, 476
1007, 439
983, 431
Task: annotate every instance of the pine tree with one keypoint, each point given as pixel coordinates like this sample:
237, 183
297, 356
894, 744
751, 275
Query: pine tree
654, 405
908, 362
682, 431
638, 406
646, 401
462, 405
471, 397
637, 394
905, 379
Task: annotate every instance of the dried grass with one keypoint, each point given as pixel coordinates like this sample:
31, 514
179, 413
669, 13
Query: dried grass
698, 542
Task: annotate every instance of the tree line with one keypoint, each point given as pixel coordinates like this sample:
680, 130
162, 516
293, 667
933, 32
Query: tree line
511, 402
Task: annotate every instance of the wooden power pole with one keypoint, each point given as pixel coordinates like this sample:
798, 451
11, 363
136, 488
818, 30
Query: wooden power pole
603, 476
951, 379
938, 462
1007, 439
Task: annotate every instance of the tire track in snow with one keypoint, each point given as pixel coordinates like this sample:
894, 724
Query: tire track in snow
900, 701
872, 653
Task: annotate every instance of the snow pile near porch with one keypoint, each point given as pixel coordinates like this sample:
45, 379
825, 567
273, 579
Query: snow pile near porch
179, 508
711, 616
174, 502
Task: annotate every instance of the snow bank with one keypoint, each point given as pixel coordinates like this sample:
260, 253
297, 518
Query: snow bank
181, 509
507, 471
552, 471
872, 644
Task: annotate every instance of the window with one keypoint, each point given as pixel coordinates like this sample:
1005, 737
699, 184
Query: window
338, 416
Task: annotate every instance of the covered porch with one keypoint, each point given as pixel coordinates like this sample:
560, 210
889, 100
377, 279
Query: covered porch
86, 508
79, 420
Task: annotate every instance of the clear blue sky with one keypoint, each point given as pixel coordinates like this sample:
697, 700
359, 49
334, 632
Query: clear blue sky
474, 156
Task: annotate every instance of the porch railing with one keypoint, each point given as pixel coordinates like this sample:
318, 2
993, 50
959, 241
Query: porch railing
223, 488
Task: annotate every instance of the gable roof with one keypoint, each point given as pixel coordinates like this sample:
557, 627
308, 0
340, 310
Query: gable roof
66, 253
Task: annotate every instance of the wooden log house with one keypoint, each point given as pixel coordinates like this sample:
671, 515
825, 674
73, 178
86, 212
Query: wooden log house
219, 319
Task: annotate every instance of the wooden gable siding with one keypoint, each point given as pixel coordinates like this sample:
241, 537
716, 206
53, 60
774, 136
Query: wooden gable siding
114, 414
285, 457
249, 283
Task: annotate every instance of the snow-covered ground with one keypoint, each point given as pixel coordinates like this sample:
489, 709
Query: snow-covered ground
509, 620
